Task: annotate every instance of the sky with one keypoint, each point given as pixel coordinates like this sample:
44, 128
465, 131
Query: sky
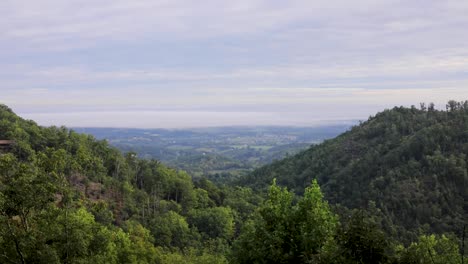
175, 63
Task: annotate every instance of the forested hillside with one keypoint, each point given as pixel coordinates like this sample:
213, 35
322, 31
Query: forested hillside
411, 164
69, 198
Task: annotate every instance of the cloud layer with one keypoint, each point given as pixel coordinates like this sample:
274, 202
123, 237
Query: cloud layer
257, 62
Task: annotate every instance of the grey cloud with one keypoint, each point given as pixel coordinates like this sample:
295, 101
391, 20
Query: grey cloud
298, 56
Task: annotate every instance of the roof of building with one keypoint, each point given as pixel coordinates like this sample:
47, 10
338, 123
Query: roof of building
6, 142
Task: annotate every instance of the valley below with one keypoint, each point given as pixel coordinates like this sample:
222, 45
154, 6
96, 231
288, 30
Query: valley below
219, 153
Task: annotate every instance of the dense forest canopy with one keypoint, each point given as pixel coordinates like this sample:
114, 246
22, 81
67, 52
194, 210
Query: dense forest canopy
387, 185
410, 163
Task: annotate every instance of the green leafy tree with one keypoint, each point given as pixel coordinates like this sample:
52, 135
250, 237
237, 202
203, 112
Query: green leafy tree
360, 240
26, 195
281, 232
170, 230
431, 249
136, 245
317, 224
215, 222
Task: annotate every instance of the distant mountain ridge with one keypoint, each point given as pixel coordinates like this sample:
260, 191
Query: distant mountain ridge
411, 163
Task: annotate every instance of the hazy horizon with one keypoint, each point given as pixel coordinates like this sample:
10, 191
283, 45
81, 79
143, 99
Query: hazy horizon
175, 64
172, 120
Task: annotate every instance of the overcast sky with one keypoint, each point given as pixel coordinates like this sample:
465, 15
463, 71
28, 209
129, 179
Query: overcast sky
149, 63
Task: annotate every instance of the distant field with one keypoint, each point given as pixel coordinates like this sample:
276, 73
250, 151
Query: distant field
179, 147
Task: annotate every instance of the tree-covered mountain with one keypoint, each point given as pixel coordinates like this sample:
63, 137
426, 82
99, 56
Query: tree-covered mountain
69, 198
411, 164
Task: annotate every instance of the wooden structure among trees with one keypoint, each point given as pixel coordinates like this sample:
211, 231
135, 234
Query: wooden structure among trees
5, 145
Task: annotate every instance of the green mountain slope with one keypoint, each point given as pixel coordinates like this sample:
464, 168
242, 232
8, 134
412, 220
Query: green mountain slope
69, 198
411, 163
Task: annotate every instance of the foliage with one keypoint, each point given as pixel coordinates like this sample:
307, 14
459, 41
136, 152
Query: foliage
69, 198
361, 240
282, 232
412, 163
215, 222
431, 249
